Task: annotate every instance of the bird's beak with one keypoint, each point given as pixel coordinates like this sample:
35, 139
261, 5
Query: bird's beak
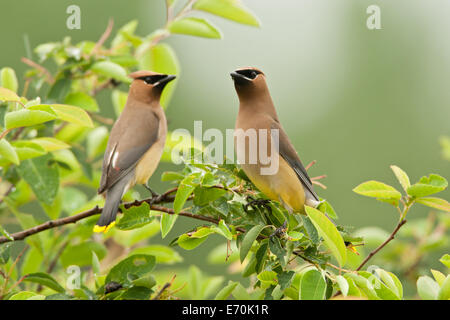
239, 78
164, 80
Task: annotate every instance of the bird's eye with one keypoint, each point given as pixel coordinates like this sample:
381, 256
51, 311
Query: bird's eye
153, 78
148, 80
249, 73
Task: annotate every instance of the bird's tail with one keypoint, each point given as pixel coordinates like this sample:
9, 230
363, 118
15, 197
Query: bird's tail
113, 197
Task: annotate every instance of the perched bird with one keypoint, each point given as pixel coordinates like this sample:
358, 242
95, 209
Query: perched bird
289, 183
135, 144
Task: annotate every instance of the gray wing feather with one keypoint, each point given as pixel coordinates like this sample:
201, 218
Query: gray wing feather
122, 157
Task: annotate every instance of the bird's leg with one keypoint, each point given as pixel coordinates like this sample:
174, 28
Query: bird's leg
279, 231
154, 194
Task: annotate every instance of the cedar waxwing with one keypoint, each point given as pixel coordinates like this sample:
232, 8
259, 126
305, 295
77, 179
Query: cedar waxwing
135, 144
289, 183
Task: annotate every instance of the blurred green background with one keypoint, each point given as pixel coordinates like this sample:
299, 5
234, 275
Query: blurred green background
353, 99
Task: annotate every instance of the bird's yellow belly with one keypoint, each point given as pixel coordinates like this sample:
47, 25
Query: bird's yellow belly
283, 186
148, 163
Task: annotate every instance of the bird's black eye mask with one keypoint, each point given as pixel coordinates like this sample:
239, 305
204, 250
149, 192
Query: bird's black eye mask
153, 79
249, 73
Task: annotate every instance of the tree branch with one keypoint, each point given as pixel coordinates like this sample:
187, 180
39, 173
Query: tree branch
153, 202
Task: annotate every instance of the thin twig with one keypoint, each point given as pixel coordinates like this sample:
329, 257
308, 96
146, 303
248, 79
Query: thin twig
37, 66
164, 288
102, 120
381, 246
103, 38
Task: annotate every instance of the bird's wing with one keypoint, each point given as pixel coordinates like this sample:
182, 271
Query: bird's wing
127, 146
289, 154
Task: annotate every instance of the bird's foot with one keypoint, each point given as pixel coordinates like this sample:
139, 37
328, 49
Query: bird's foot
257, 203
154, 194
280, 231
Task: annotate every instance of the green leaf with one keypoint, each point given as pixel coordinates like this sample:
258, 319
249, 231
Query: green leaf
225, 292
135, 217
445, 259
5, 249
228, 9
427, 288
147, 281
285, 279
402, 177
377, 189
136, 266
119, 99
27, 149
161, 58
222, 229
8, 152
50, 144
73, 199
8, 95
444, 292
95, 263
59, 90
72, 114
195, 27
277, 249
343, 284
435, 203
312, 286
81, 254
167, 223
294, 235
97, 140
204, 196
111, 70
438, 276
45, 280
362, 284
27, 295
188, 243
8, 79
329, 233
240, 293
445, 144
29, 116
41, 176
391, 282
249, 238
260, 256
268, 276
82, 100
185, 189
427, 186
201, 232
326, 208
163, 254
